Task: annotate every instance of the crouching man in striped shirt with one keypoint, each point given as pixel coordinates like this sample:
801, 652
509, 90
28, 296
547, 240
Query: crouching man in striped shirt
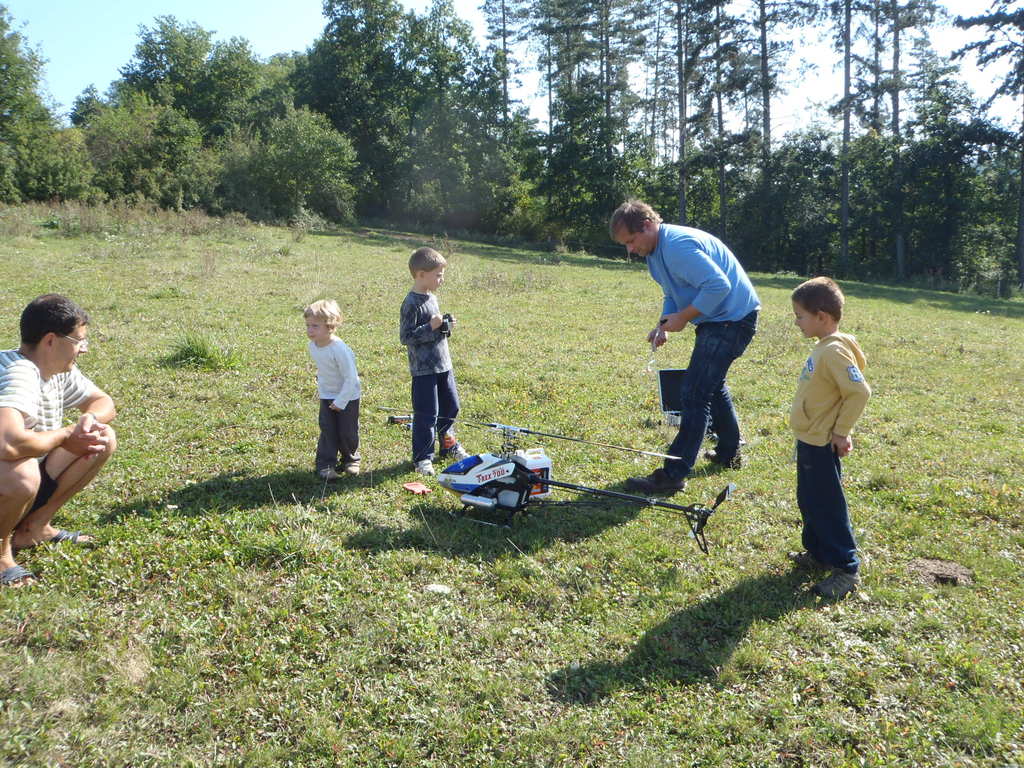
42, 462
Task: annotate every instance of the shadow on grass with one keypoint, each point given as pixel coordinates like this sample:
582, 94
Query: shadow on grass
690, 646
437, 530
612, 258
482, 536
237, 490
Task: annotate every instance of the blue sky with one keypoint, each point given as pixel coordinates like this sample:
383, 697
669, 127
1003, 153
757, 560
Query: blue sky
87, 42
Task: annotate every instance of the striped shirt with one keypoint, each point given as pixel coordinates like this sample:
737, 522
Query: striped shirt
42, 403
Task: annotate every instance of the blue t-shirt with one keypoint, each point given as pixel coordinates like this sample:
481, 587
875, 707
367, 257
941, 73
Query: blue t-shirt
694, 267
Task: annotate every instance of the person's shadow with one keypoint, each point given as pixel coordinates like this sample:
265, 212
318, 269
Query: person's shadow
239, 490
691, 645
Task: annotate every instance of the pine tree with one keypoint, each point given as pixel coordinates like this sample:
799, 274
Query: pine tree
1003, 27
505, 23
902, 17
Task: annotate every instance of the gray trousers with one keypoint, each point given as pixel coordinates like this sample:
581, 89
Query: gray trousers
339, 434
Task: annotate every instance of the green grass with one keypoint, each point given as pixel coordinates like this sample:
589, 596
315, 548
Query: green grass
240, 613
195, 350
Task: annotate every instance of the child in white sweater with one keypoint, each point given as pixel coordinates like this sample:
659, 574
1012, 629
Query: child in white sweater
339, 391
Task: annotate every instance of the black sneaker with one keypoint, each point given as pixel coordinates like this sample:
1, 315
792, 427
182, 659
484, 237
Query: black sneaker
837, 585
656, 482
734, 463
807, 560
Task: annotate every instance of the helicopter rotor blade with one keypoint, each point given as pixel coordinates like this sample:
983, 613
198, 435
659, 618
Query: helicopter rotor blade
523, 430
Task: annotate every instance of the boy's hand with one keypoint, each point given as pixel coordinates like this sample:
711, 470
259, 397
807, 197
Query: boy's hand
435, 322
333, 407
841, 444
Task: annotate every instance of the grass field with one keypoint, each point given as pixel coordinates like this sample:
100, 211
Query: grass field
241, 613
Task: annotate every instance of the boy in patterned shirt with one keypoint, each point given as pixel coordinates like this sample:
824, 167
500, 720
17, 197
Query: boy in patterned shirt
424, 331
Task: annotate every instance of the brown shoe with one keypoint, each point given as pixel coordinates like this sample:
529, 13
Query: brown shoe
734, 463
656, 482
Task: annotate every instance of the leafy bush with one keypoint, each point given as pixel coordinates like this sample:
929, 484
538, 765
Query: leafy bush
151, 152
305, 163
300, 169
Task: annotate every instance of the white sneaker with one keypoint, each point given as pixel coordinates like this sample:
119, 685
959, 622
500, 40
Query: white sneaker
452, 449
425, 467
328, 474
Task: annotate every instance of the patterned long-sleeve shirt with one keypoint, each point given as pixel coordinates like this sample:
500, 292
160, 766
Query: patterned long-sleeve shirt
428, 348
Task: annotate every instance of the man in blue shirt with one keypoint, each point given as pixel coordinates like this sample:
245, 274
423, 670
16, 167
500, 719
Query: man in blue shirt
705, 285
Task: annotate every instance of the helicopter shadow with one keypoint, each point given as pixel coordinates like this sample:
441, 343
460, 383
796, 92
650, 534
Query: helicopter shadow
441, 529
240, 491
690, 646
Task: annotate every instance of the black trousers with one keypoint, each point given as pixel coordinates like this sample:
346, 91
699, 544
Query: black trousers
339, 433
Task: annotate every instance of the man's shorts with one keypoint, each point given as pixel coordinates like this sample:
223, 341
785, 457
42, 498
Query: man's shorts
47, 485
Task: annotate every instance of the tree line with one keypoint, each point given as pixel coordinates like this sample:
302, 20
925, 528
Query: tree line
401, 116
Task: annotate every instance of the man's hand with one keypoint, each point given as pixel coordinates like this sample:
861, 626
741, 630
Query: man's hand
674, 322
841, 444
435, 322
657, 337
88, 437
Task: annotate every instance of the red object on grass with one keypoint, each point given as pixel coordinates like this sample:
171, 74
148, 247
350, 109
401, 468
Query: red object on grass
416, 487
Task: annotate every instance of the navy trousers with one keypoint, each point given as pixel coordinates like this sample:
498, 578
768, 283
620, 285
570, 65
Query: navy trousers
705, 398
827, 532
435, 404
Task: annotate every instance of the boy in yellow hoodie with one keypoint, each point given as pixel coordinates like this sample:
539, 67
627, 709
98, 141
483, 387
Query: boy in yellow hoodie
830, 395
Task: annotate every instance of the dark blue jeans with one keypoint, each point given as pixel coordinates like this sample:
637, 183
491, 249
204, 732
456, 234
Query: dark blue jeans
827, 532
706, 397
435, 404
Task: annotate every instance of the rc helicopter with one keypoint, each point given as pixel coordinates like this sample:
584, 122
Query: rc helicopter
511, 479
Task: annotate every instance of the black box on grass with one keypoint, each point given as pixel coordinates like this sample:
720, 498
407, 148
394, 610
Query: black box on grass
670, 391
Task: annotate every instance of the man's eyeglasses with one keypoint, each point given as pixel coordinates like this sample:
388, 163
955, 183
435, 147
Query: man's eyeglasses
81, 344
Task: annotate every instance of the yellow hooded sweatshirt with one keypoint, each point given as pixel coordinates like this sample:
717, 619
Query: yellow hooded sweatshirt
831, 392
